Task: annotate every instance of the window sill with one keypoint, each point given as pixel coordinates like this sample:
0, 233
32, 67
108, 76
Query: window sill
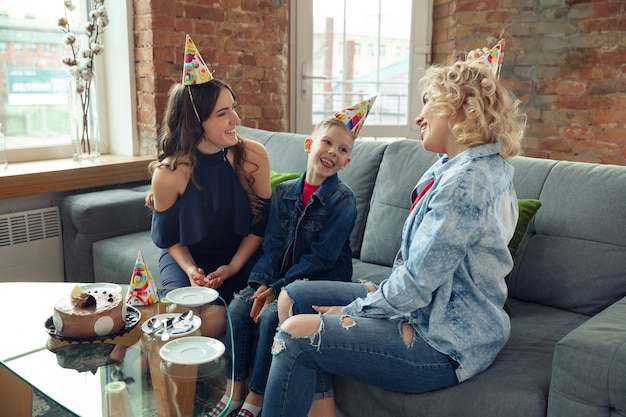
57, 175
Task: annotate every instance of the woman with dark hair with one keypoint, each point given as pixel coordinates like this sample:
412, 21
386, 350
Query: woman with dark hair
210, 190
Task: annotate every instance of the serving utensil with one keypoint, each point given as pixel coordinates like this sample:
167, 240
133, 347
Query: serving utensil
167, 324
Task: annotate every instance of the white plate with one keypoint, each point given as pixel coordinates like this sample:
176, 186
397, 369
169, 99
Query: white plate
192, 350
101, 286
192, 296
179, 329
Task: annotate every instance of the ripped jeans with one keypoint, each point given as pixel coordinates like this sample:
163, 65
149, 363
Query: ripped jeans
368, 350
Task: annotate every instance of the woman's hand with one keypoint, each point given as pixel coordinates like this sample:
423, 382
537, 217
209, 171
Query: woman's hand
197, 277
216, 278
475, 54
329, 311
262, 297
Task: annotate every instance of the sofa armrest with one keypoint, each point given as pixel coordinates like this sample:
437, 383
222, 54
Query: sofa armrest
589, 367
93, 216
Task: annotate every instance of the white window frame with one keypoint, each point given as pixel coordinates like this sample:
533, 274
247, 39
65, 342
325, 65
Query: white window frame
300, 60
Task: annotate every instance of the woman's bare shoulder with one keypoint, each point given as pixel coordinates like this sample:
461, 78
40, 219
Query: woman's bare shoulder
168, 183
255, 149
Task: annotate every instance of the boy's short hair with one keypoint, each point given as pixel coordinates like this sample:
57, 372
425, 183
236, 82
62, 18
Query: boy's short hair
327, 123
481, 109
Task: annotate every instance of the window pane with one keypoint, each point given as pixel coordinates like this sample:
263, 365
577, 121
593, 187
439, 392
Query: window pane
33, 80
350, 47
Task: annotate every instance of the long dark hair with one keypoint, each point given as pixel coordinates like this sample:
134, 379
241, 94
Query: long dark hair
181, 133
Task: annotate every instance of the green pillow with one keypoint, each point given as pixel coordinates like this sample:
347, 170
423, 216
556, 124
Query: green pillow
527, 211
278, 177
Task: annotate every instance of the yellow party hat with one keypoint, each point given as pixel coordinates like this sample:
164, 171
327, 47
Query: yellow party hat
195, 70
142, 290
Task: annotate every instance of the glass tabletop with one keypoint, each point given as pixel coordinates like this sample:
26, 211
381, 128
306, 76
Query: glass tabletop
124, 376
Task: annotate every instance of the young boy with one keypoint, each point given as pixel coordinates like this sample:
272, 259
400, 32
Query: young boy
307, 237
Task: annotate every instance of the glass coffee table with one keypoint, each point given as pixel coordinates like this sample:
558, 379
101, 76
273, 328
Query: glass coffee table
123, 376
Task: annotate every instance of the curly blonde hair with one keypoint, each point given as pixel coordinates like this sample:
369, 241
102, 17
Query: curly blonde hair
480, 108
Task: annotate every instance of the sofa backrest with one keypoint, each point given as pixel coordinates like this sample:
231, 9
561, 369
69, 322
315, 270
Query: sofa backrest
574, 256
405, 161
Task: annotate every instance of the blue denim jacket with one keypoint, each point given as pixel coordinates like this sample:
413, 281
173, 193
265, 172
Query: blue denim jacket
448, 276
317, 238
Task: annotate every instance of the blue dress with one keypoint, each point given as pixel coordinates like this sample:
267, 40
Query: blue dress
211, 218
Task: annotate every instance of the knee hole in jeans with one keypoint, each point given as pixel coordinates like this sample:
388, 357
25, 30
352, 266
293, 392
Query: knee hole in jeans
347, 322
407, 333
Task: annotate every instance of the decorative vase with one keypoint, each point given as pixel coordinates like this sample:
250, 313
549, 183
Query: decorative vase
83, 109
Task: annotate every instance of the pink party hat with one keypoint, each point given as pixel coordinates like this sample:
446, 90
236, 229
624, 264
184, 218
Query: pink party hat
492, 59
195, 70
355, 115
142, 290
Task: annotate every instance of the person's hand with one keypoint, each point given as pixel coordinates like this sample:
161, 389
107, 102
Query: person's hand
197, 277
475, 54
216, 278
262, 297
328, 311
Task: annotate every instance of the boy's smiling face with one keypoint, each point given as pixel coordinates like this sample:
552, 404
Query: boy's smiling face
328, 152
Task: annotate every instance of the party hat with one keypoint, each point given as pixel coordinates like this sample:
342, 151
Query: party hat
142, 290
492, 59
355, 115
195, 70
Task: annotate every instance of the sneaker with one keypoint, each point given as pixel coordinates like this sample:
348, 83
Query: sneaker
246, 413
217, 410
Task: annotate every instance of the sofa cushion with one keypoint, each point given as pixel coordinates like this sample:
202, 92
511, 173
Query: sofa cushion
578, 234
93, 216
589, 367
114, 258
364, 271
360, 175
403, 164
278, 177
516, 384
528, 208
527, 212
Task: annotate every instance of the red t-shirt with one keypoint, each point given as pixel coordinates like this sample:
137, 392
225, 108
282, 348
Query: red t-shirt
307, 192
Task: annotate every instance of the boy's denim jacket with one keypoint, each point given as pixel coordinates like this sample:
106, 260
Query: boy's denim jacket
317, 237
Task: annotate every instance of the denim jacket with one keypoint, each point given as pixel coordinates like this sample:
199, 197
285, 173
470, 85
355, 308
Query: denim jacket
316, 237
448, 277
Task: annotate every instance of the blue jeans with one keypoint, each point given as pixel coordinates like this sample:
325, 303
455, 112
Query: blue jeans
243, 340
368, 350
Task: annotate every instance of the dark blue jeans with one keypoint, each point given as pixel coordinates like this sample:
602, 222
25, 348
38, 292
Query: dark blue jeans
370, 350
244, 341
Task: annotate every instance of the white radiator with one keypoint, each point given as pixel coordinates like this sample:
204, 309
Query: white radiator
31, 246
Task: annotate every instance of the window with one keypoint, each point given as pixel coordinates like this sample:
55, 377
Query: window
33, 81
331, 73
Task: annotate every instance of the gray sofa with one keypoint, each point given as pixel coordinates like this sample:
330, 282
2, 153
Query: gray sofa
567, 292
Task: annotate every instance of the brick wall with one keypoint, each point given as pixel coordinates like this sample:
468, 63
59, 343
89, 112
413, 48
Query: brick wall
565, 59
244, 42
